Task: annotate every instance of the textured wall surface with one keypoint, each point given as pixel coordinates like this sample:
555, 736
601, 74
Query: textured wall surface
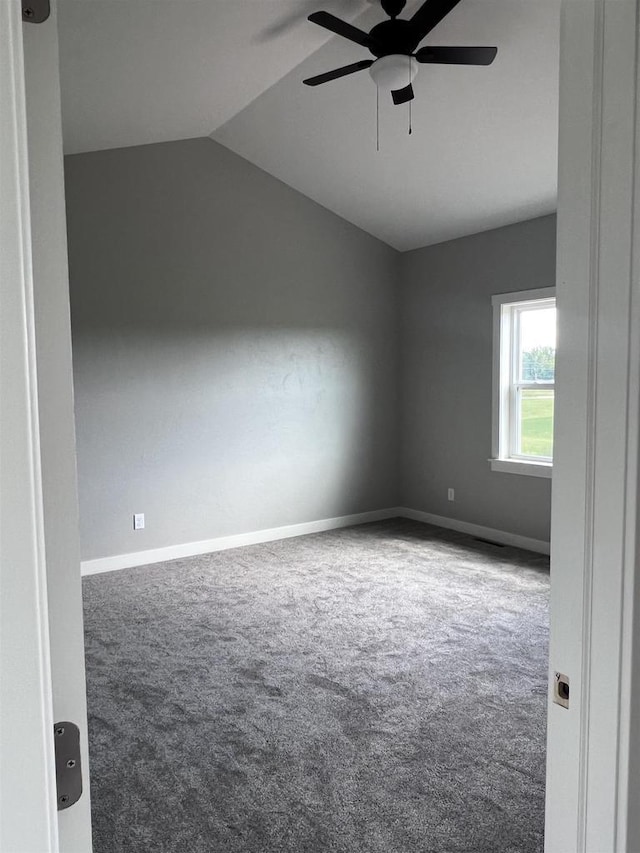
245, 359
447, 340
235, 350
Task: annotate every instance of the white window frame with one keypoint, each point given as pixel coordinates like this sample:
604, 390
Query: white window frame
507, 308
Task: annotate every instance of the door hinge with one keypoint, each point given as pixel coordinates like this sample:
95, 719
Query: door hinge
68, 767
35, 11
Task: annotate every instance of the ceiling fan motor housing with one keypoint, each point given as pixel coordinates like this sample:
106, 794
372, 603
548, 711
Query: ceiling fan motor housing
396, 36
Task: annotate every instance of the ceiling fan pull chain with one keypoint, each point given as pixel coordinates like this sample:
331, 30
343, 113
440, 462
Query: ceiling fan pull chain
410, 103
377, 118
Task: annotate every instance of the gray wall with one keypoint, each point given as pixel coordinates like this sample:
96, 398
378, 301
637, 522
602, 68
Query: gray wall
245, 359
446, 326
235, 350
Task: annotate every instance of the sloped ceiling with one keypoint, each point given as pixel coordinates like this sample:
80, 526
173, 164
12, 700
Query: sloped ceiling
483, 151
139, 71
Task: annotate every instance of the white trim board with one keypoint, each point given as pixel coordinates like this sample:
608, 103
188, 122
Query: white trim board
224, 543
540, 546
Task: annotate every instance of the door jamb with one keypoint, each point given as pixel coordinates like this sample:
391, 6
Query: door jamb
595, 480
28, 813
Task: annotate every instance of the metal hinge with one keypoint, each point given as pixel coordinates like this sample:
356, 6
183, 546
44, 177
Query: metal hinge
68, 767
35, 11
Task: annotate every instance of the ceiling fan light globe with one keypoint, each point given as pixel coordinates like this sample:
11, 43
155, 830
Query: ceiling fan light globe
394, 71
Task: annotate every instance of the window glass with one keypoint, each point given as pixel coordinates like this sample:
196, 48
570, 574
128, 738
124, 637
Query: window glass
535, 419
537, 345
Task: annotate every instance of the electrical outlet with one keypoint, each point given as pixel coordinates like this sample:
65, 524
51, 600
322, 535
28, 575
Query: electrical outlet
451, 495
138, 521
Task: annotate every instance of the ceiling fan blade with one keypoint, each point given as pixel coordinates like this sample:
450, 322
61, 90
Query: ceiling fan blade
338, 72
430, 14
340, 28
457, 55
402, 96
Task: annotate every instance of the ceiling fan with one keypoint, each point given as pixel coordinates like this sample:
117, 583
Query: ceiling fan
394, 45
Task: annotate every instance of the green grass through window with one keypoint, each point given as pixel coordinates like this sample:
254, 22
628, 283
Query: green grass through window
537, 423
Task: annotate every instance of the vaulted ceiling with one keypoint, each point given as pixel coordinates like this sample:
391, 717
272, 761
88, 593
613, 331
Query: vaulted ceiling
483, 148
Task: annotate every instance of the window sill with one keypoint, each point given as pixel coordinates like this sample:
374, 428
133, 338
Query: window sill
529, 469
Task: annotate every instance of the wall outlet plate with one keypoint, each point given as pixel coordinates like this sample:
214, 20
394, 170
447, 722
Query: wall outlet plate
138, 521
561, 689
451, 495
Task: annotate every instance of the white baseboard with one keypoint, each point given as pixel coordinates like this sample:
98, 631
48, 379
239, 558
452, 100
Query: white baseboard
222, 543
540, 546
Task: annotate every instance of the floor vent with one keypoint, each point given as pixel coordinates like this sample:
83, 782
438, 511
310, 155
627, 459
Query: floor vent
489, 542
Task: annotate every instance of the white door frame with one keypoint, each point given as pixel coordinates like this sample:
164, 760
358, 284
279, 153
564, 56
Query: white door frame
34, 214
595, 478
28, 816
55, 404
593, 754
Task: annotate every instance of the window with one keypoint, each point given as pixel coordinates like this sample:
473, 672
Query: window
524, 342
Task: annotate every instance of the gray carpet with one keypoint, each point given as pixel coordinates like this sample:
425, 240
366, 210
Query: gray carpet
378, 689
